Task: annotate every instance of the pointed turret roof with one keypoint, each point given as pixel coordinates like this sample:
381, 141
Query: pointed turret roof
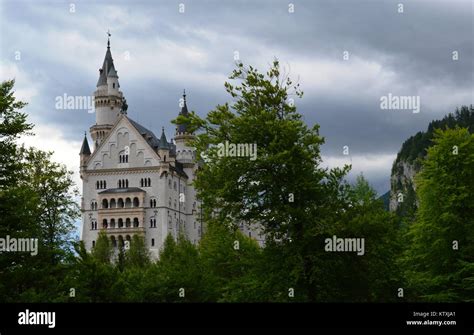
182, 128
163, 144
85, 150
108, 67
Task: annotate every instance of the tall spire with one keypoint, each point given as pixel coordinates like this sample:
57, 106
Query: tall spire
85, 150
182, 128
163, 143
108, 67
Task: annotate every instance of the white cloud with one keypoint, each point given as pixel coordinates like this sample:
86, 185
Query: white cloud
367, 164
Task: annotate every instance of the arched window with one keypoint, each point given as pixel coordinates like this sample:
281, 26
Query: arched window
136, 202
114, 241
92, 205
135, 222
152, 223
128, 203
104, 224
128, 223
119, 184
97, 185
120, 223
113, 204
152, 242
141, 182
112, 223
169, 183
113, 85
105, 184
120, 203
174, 186
149, 182
93, 244
105, 203
126, 183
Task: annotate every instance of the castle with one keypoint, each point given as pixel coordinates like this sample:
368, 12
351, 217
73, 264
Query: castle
133, 182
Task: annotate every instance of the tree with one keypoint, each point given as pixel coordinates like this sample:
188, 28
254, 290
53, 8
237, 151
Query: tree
36, 202
282, 188
137, 255
176, 277
228, 263
102, 251
439, 263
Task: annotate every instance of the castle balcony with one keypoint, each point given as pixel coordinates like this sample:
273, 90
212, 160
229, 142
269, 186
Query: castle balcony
122, 208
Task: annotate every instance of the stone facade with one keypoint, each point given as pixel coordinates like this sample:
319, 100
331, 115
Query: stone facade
133, 182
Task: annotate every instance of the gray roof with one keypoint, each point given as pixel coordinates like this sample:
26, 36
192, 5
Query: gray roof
107, 66
147, 134
85, 150
184, 111
122, 190
163, 144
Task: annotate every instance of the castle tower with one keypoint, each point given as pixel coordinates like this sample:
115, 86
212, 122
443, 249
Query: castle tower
108, 99
85, 152
184, 153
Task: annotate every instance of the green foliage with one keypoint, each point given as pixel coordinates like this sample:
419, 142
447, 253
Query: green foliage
416, 146
435, 270
36, 202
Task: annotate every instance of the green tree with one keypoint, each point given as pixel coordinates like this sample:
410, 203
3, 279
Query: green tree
229, 261
439, 261
137, 255
36, 202
102, 250
283, 187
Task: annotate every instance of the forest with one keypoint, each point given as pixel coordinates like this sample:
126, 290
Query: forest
286, 190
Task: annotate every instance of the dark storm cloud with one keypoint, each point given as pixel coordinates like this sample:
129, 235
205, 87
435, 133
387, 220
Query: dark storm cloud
401, 53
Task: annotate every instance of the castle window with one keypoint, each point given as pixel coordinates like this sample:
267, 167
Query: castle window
93, 244
149, 182
174, 186
123, 157
97, 185
169, 202
120, 203
105, 203
114, 241
152, 223
152, 242
112, 223
128, 223
194, 224
113, 85
135, 222
141, 182
120, 223
136, 202
104, 224
169, 183
152, 202
119, 184
126, 183
113, 204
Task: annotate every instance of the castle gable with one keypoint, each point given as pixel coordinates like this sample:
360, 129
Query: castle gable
125, 147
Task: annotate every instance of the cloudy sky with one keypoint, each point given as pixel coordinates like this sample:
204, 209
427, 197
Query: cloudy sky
54, 48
